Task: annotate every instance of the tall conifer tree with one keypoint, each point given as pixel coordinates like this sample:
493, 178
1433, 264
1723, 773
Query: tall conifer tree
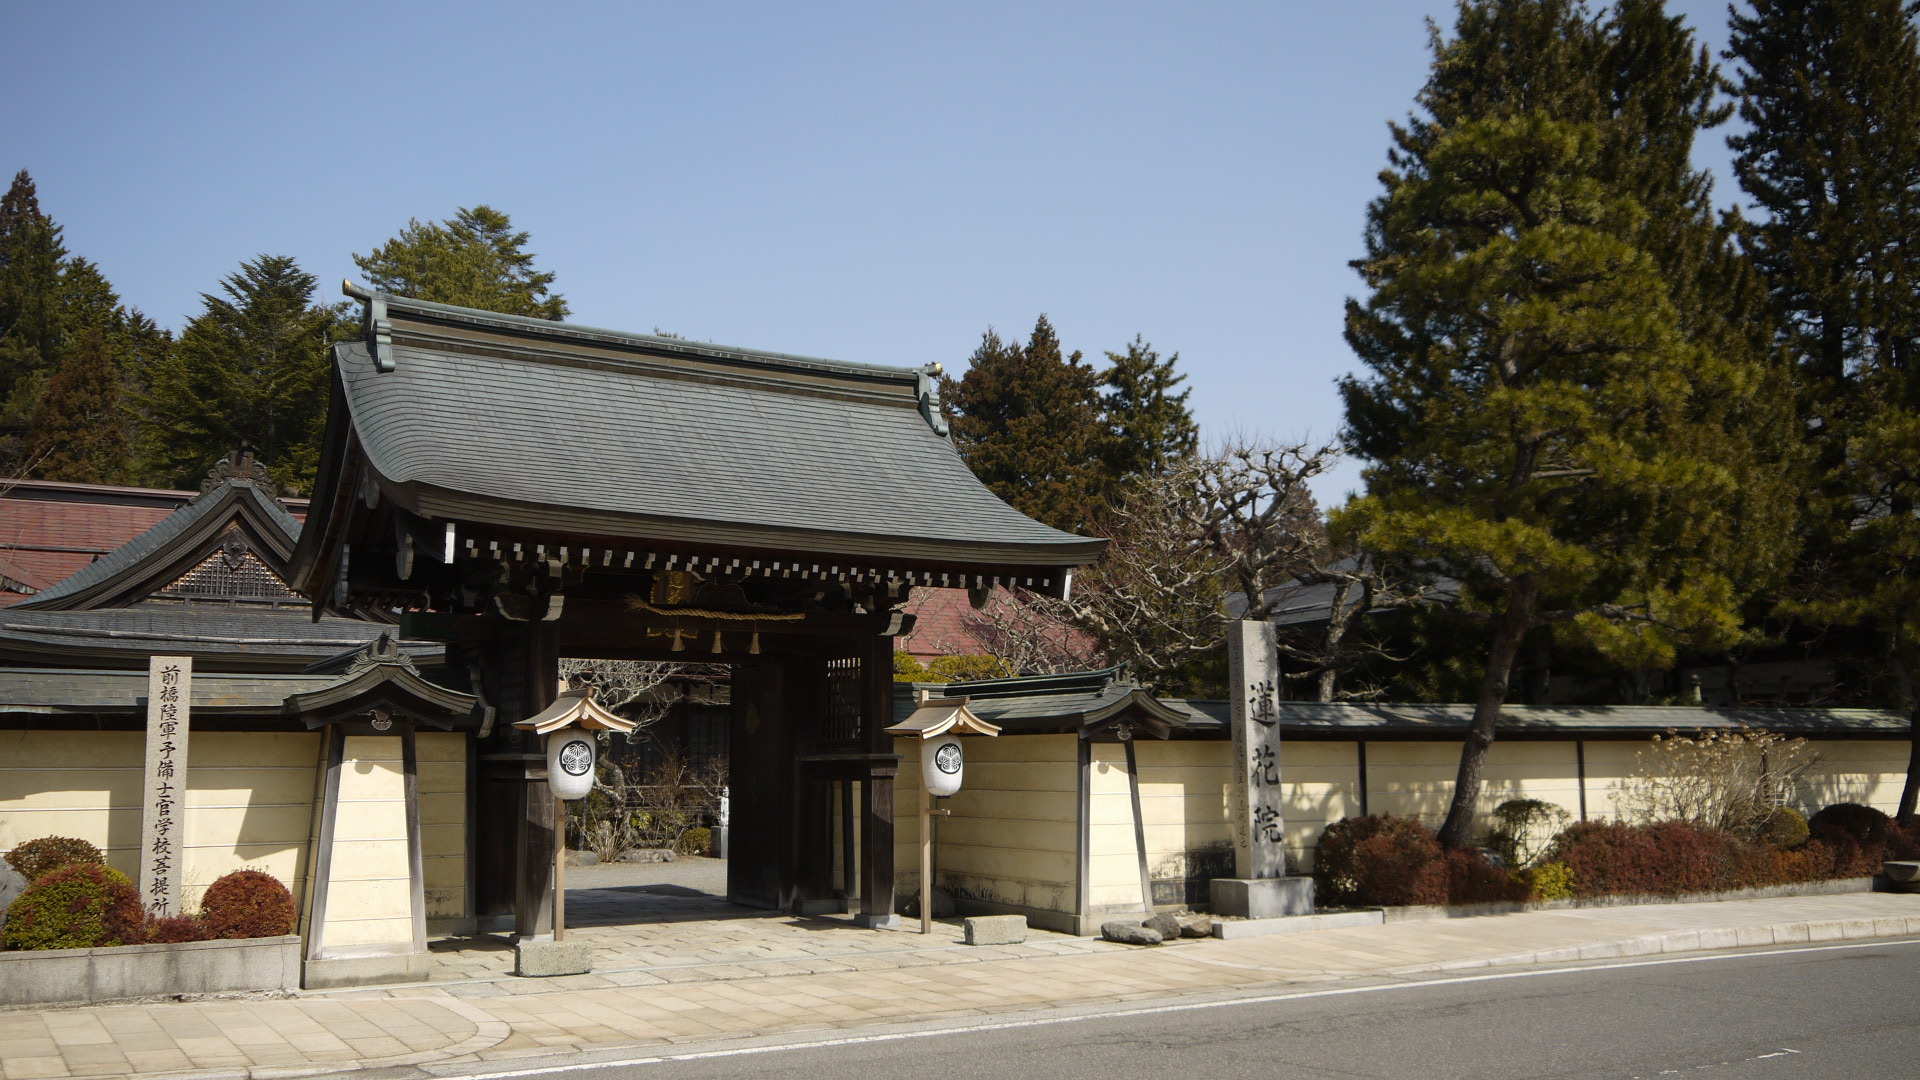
31, 323
1830, 90
1547, 420
475, 260
1148, 425
250, 371
78, 428
1026, 419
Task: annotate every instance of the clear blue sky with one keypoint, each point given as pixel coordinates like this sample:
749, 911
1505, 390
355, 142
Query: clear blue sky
874, 182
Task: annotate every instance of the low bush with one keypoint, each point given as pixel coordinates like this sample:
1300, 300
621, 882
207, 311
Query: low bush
697, 841
1551, 881
174, 929
35, 858
1608, 858
1471, 879
1384, 861
1337, 872
77, 906
1786, 829
247, 904
1523, 829
1865, 824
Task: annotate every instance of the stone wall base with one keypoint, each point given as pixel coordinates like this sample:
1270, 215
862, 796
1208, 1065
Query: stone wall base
1262, 898
54, 976
375, 970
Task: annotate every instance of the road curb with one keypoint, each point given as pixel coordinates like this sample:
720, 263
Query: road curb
1710, 939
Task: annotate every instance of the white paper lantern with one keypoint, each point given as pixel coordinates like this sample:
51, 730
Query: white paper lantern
940, 765
570, 757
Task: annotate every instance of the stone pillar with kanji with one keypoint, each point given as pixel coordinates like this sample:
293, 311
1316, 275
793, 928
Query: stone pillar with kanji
1262, 887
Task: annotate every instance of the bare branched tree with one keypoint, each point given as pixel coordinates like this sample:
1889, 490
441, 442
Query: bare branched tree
1029, 634
636, 689
1232, 534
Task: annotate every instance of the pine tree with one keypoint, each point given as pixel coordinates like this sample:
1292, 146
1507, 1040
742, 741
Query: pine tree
78, 430
475, 260
1830, 90
1148, 425
250, 371
1026, 419
1546, 423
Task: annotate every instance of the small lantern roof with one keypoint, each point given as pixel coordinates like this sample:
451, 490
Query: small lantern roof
939, 715
576, 707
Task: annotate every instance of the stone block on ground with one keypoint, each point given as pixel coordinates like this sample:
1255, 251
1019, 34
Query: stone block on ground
581, 858
1192, 925
995, 929
1904, 874
544, 959
1166, 924
1261, 898
1130, 933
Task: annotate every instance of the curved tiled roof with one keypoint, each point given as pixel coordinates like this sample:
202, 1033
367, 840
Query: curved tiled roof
541, 425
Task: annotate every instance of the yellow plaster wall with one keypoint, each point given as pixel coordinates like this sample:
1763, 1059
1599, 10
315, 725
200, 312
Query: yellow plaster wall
1011, 836
1320, 782
369, 895
1415, 779
442, 760
249, 804
1185, 804
1113, 860
1855, 770
84, 784
249, 798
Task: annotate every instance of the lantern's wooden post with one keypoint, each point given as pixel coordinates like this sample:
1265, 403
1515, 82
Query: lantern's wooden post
560, 870
926, 860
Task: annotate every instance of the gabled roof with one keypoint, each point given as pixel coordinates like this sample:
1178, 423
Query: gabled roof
471, 416
179, 542
1078, 702
383, 681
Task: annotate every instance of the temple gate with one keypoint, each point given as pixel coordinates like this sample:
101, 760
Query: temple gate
524, 490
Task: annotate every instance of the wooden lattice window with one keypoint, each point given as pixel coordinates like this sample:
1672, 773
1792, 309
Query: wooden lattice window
233, 574
842, 722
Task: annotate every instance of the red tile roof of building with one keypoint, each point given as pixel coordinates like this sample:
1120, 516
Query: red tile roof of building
50, 529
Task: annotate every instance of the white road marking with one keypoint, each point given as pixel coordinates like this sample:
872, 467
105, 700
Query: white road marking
1158, 1010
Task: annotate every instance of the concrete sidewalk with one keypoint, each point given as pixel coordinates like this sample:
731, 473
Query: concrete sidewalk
433, 1028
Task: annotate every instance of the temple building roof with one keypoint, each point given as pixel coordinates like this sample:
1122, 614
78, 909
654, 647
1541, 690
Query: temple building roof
508, 423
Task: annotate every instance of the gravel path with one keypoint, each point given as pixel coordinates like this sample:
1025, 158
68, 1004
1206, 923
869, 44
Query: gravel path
688, 871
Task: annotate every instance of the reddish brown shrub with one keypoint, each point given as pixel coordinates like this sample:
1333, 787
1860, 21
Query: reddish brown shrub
247, 904
36, 858
1400, 866
1606, 857
1903, 839
1471, 879
173, 929
1396, 853
78, 906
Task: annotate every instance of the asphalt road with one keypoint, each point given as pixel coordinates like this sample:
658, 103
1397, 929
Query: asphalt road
1831, 1013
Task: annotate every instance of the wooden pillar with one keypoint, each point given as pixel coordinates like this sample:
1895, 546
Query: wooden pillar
876, 793
539, 660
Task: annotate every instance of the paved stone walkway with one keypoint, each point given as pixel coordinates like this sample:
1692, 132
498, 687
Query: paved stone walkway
650, 935
437, 1029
